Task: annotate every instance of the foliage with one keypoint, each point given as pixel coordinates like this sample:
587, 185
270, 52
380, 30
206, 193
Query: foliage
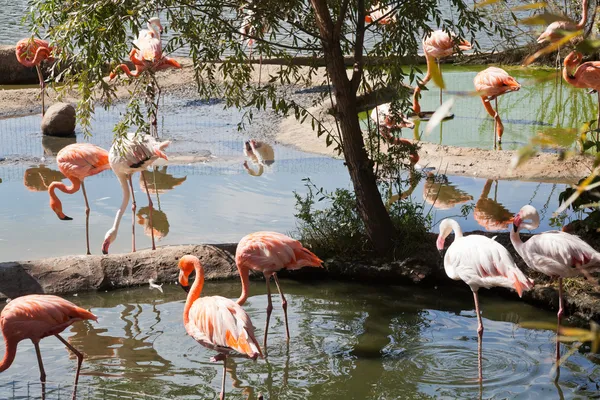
328, 223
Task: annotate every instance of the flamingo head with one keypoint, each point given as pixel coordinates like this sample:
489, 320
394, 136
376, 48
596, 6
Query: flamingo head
154, 23
464, 45
527, 212
445, 230
110, 237
187, 264
572, 61
56, 206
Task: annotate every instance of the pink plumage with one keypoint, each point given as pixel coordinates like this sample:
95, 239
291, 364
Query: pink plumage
269, 252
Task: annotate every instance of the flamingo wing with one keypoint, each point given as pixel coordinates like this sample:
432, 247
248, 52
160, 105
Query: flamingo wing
82, 159
588, 75
557, 253
272, 251
482, 262
493, 81
37, 316
221, 324
136, 153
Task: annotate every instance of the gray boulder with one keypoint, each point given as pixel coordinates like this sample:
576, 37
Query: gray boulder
59, 120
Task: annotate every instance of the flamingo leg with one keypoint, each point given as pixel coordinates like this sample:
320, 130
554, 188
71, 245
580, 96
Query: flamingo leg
479, 336
79, 356
284, 306
269, 309
559, 316
480, 360
42, 372
150, 212
42, 85
133, 207
598, 118
438, 64
222, 396
87, 219
496, 117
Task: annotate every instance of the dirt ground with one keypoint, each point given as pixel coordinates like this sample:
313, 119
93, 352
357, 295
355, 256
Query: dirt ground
489, 164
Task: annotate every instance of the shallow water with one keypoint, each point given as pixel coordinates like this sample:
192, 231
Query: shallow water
347, 341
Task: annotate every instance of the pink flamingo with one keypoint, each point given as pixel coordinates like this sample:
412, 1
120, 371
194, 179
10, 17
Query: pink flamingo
438, 44
31, 52
77, 162
489, 84
383, 116
269, 252
35, 317
479, 262
584, 76
553, 253
381, 15
248, 30
557, 29
147, 52
133, 154
216, 322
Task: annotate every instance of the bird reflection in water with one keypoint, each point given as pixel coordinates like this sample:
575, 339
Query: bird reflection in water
442, 194
159, 183
134, 351
52, 145
489, 213
260, 153
37, 179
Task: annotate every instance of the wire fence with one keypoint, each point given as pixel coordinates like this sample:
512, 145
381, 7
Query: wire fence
20, 390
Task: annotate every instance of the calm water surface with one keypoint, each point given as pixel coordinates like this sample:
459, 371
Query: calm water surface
347, 341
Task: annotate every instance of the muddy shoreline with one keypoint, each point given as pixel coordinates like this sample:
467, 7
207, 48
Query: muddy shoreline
76, 274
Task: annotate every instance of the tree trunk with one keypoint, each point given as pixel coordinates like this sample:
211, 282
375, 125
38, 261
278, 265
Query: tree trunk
379, 227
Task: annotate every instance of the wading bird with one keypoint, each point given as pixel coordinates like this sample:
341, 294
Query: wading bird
260, 153
386, 121
584, 76
133, 154
249, 30
489, 84
35, 317
557, 29
553, 253
437, 45
269, 252
382, 15
216, 322
77, 162
479, 262
31, 52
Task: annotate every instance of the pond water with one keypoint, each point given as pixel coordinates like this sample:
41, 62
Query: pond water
347, 341
212, 202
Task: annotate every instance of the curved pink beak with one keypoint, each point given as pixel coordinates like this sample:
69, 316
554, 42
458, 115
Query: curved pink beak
517, 222
105, 246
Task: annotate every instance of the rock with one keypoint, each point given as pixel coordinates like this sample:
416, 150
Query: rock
59, 120
11, 71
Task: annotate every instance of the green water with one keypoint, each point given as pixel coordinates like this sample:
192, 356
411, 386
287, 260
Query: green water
543, 102
348, 341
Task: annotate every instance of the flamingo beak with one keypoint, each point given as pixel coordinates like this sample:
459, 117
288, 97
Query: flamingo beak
186, 288
105, 246
65, 218
516, 222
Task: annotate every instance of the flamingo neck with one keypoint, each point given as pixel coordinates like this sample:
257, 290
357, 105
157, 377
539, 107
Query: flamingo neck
155, 31
244, 275
584, 15
76, 184
456, 228
10, 351
195, 291
125, 189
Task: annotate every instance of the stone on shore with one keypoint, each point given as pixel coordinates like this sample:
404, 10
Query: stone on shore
59, 120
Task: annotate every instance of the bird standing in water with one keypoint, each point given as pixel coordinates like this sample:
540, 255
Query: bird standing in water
35, 317
556, 254
584, 76
216, 322
489, 84
77, 162
479, 262
438, 44
31, 52
133, 154
269, 252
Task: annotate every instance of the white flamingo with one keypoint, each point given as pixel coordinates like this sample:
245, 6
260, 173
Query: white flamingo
135, 154
479, 262
554, 253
